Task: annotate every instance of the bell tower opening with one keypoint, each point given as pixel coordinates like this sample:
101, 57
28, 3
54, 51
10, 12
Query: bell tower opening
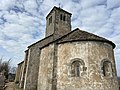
58, 22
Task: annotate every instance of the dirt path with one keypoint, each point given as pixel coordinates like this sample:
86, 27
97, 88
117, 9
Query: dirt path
11, 86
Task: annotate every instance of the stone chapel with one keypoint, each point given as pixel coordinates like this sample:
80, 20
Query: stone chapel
68, 59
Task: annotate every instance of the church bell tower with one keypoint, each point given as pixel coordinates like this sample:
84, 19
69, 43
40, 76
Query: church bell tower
58, 22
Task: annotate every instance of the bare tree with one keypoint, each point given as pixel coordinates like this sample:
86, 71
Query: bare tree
5, 67
13, 70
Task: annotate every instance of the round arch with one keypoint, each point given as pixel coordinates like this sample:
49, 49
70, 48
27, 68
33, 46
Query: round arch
77, 66
77, 60
106, 68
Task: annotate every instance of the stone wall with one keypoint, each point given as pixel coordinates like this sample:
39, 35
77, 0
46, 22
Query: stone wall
50, 27
17, 75
33, 59
22, 79
31, 77
43, 63
46, 68
62, 27
91, 78
57, 26
18, 72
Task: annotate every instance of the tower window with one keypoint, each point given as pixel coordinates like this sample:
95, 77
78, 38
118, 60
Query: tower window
61, 17
107, 68
50, 20
64, 18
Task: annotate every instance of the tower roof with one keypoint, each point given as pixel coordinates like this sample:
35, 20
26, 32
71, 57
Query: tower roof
57, 8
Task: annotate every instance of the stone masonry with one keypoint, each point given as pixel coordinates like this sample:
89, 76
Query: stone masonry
19, 72
68, 60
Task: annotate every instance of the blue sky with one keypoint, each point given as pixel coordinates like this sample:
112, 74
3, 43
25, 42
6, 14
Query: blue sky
22, 22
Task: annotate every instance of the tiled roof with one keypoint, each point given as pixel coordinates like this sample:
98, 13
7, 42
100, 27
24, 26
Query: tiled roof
79, 35
21, 62
75, 35
57, 8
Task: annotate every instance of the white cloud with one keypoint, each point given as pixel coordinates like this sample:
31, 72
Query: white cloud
22, 22
113, 3
91, 3
31, 6
6, 4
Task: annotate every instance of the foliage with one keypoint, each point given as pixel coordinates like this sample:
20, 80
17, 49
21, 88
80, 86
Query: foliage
119, 82
4, 67
13, 70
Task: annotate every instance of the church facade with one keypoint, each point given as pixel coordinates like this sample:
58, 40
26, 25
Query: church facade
68, 60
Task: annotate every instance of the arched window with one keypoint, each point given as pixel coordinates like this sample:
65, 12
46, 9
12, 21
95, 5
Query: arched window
107, 69
76, 69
